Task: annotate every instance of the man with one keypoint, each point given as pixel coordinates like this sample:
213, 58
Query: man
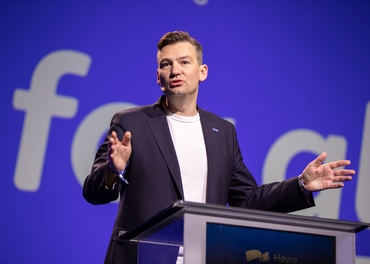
172, 150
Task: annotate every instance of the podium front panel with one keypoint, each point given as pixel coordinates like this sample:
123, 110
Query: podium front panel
214, 240
236, 244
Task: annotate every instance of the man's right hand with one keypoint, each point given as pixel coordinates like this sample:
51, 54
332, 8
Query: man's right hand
119, 153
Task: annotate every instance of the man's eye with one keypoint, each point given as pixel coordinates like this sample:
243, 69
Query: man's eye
164, 65
185, 62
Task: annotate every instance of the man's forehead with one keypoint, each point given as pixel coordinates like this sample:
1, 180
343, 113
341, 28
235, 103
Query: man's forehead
178, 50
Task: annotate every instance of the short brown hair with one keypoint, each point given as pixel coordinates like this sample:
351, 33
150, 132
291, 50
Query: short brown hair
181, 36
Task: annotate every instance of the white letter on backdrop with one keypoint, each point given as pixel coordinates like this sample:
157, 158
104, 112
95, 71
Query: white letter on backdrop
40, 103
363, 179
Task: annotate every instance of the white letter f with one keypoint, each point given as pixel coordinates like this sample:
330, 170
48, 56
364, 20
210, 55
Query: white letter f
40, 103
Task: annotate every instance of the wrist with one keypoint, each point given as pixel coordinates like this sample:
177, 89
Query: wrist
120, 173
302, 185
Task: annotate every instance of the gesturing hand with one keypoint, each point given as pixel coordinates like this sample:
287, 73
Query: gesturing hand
318, 176
119, 152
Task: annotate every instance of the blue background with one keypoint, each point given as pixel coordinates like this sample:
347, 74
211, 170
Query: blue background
274, 66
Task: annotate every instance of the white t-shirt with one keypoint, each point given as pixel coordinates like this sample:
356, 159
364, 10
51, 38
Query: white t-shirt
187, 137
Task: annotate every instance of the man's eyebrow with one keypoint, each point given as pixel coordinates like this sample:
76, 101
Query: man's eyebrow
179, 58
185, 57
164, 60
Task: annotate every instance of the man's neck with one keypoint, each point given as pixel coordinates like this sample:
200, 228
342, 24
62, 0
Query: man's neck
181, 107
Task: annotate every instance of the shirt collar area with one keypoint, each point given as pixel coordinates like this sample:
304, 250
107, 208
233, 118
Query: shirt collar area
180, 118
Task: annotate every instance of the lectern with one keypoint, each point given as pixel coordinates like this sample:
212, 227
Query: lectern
215, 234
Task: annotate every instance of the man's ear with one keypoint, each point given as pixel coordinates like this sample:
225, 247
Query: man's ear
158, 81
203, 73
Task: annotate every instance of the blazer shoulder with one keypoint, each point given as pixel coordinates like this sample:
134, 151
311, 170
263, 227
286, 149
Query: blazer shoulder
133, 110
211, 117
153, 110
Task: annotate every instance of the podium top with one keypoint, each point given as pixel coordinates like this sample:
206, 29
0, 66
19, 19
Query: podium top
174, 214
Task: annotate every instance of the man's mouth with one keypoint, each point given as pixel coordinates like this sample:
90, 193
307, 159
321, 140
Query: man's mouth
176, 83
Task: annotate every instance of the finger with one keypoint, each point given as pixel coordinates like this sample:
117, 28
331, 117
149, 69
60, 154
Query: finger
126, 138
113, 138
342, 178
339, 163
320, 159
344, 172
114, 135
336, 185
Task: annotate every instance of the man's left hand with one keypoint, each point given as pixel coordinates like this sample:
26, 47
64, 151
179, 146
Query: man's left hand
318, 176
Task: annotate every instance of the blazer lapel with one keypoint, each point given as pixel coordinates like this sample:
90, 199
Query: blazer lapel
211, 137
161, 133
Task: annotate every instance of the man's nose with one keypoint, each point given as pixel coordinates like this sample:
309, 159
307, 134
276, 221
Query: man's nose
175, 69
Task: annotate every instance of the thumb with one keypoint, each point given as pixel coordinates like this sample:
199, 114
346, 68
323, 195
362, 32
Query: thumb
320, 159
126, 138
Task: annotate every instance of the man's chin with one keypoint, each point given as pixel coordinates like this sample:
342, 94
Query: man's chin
175, 91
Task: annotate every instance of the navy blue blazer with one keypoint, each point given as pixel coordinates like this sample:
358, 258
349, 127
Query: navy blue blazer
154, 174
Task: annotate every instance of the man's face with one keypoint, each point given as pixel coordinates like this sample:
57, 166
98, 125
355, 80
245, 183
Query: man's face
178, 71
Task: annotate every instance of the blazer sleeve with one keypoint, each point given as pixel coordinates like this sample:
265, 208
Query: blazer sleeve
285, 196
94, 189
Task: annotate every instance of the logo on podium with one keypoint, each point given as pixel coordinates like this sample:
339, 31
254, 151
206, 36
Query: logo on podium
256, 254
